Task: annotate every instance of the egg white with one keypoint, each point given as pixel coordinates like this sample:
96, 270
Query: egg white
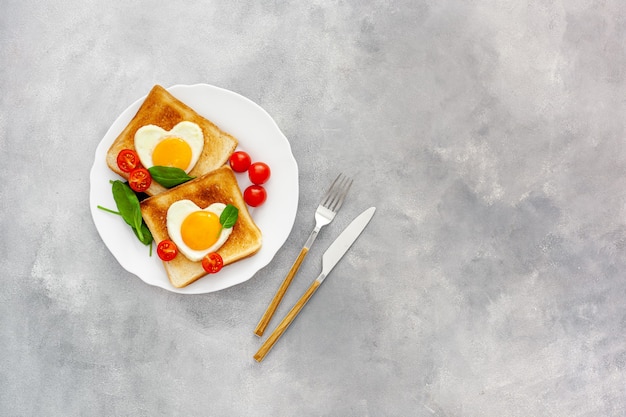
147, 137
177, 213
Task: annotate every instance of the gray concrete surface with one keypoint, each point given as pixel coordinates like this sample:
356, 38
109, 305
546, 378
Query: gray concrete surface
491, 282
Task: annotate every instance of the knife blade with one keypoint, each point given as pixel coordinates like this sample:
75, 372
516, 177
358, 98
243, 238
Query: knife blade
341, 245
330, 258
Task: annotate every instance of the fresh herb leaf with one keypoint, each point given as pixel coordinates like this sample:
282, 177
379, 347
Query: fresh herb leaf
128, 206
229, 215
169, 177
127, 203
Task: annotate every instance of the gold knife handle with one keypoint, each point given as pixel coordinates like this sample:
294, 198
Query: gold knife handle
284, 324
271, 309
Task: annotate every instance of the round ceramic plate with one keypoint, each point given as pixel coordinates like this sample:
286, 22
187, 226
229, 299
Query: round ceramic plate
258, 135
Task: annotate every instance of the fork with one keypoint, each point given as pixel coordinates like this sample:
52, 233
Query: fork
325, 213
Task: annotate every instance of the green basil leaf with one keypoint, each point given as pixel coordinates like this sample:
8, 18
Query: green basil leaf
128, 206
229, 216
169, 177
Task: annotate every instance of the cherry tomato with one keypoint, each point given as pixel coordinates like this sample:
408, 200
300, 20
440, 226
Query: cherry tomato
255, 195
212, 263
240, 161
127, 160
139, 179
259, 173
167, 250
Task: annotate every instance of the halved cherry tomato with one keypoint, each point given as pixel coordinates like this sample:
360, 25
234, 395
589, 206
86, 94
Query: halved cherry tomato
127, 160
139, 179
212, 262
254, 195
240, 161
167, 250
259, 173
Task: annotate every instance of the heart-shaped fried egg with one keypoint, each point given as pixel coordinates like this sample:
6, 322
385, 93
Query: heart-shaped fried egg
195, 231
180, 147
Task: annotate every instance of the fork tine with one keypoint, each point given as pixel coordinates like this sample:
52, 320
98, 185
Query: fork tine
329, 194
337, 193
340, 195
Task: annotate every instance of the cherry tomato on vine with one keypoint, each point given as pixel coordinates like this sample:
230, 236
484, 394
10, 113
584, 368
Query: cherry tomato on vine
212, 263
255, 195
240, 161
139, 179
127, 160
167, 250
259, 173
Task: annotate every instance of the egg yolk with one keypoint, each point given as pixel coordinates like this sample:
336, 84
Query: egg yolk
200, 230
172, 152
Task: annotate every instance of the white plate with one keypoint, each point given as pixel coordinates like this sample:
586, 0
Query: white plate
258, 135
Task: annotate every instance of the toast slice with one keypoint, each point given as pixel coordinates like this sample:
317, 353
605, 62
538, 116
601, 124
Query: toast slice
162, 109
218, 186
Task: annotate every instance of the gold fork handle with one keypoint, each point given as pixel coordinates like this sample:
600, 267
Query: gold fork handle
284, 324
271, 309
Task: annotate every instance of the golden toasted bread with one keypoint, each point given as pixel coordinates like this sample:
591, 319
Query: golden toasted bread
162, 109
219, 186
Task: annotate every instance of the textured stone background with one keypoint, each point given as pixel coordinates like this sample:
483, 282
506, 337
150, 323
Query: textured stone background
490, 135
